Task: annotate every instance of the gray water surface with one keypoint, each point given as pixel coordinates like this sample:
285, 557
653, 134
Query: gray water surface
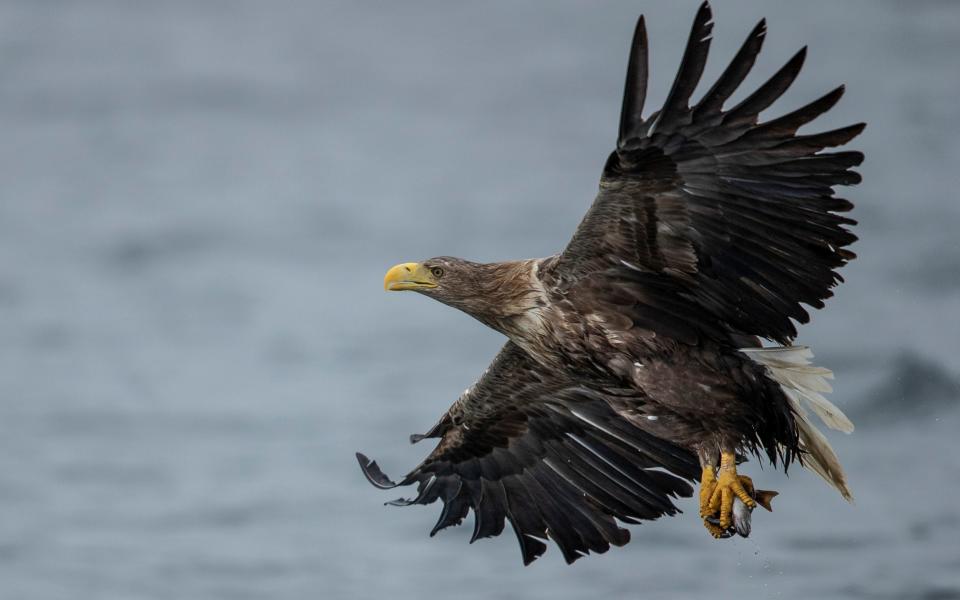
198, 201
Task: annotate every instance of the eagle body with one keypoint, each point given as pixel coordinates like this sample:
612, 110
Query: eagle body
657, 347
696, 394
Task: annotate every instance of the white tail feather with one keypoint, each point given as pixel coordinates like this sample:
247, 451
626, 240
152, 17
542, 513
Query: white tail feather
804, 385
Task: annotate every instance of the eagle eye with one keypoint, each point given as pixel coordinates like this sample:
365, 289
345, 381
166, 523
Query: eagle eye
437, 272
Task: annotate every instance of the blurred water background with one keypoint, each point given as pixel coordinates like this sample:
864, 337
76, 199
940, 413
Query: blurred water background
198, 201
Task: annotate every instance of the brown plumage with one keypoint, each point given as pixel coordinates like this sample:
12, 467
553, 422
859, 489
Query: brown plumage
638, 347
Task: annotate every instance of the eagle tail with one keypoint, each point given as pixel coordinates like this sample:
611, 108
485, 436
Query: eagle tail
804, 385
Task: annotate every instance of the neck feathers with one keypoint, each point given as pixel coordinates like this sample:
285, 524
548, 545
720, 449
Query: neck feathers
509, 296
512, 287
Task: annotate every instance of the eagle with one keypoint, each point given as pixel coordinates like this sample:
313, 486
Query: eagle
656, 350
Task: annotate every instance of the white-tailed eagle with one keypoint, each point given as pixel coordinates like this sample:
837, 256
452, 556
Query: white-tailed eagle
634, 363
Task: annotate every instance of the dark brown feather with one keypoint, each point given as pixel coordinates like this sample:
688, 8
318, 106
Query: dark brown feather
737, 220
550, 456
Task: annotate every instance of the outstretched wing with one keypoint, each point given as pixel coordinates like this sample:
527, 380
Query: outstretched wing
549, 456
708, 211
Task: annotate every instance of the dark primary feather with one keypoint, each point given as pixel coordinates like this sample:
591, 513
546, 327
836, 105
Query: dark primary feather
734, 74
631, 113
691, 68
550, 456
732, 220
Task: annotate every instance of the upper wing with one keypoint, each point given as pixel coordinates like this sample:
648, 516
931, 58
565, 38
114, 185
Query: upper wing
549, 456
708, 209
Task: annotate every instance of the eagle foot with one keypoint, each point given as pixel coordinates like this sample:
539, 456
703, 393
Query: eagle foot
718, 492
730, 484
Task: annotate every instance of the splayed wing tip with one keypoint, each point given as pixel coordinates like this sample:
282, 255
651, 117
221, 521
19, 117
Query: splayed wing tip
372, 472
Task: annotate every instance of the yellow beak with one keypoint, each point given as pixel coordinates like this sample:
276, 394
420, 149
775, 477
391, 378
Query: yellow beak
408, 276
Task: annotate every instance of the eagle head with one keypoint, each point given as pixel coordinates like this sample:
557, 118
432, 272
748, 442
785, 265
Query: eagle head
489, 292
445, 278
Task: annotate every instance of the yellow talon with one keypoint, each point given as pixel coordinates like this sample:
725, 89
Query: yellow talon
719, 488
728, 485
